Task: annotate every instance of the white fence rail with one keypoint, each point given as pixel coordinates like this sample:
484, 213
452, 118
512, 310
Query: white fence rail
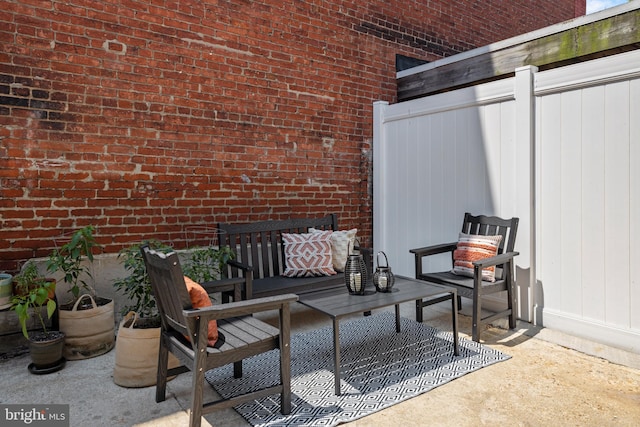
560, 149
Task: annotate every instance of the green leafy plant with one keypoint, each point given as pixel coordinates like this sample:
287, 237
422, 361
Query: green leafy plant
27, 278
136, 286
208, 263
69, 259
202, 265
34, 292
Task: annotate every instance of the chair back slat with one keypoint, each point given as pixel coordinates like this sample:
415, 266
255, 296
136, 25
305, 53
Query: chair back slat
169, 289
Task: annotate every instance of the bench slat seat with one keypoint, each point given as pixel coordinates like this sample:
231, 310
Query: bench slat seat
270, 286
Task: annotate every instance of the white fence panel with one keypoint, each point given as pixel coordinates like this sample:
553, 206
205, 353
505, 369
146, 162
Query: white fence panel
436, 158
575, 187
587, 179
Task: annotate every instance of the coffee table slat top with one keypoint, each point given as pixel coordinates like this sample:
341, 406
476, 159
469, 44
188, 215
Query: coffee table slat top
338, 304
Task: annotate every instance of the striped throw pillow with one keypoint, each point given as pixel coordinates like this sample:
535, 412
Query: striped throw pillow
308, 254
472, 248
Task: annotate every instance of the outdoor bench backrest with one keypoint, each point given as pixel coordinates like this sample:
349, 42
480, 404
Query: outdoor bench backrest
259, 244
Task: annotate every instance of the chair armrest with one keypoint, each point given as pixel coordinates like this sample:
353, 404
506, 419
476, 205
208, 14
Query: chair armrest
240, 308
434, 249
495, 260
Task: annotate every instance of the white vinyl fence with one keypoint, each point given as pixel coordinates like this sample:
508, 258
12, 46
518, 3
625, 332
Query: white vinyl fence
559, 149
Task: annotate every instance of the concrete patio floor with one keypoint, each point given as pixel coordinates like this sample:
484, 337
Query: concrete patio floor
542, 384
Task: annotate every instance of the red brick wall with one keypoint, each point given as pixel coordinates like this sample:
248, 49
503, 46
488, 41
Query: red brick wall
145, 117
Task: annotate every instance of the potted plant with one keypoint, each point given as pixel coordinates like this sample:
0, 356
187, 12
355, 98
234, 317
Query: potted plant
138, 339
87, 320
33, 294
208, 263
135, 286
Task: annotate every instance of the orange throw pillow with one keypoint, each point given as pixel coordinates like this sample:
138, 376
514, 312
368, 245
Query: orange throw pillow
200, 298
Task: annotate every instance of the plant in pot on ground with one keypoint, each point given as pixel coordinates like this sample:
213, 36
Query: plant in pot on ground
87, 320
32, 296
136, 286
138, 338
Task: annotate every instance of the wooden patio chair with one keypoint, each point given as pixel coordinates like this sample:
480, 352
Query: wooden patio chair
474, 287
244, 335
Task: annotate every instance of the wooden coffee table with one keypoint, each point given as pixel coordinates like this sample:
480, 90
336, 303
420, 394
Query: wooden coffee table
338, 303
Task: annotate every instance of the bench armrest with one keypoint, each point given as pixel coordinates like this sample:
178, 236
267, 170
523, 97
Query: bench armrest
240, 308
232, 284
238, 264
223, 285
235, 284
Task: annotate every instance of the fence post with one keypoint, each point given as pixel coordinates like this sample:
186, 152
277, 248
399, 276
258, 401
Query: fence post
379, 169
525, 165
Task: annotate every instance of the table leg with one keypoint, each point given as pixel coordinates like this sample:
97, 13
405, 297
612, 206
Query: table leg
454, 320
336, 355
398, 318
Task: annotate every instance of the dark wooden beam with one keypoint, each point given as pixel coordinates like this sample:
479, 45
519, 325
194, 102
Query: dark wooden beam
600, 38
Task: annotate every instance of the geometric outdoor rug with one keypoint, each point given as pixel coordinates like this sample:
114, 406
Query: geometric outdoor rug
379, 369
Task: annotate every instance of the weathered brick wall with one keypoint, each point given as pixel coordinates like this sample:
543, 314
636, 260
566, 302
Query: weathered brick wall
145, 117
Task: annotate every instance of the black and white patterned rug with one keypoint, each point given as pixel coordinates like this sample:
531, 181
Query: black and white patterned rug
379, 369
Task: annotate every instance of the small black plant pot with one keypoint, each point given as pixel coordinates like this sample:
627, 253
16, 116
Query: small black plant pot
46, 352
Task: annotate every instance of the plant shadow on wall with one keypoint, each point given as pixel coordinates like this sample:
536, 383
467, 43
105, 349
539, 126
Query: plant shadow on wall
32, 295
87, 320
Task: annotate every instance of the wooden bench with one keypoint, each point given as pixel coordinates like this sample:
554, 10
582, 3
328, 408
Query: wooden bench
260, 256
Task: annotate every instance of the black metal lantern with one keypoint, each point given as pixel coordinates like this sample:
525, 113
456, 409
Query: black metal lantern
355, 273
383, 278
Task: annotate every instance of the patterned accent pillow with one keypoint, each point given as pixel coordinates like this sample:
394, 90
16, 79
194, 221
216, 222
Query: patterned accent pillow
341, 245
200, 298
471, 248
308, 254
